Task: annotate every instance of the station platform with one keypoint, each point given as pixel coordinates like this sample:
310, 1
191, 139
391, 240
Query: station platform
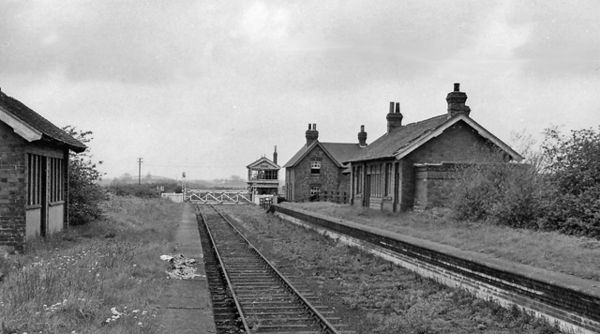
186, 304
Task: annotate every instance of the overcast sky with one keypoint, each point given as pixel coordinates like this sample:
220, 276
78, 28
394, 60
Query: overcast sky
208, 87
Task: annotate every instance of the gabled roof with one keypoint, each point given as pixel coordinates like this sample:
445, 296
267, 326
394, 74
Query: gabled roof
32, 126
266, 162
387, 145
404, 140
337, 152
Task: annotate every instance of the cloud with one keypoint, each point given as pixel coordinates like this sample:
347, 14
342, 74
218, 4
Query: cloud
564, 38
260, 22
119, 41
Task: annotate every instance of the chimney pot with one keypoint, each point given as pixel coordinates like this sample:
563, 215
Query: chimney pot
456, 102
394, 119
362, 137
311, 134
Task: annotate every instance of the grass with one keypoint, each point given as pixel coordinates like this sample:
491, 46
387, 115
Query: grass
104, 277
373, 295
578, 256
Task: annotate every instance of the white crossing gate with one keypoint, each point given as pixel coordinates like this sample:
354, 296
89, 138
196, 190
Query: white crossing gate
217, 197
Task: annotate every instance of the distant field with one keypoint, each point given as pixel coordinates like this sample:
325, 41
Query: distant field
578, 256
104, 277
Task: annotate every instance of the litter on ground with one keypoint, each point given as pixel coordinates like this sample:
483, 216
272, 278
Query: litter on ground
180, 267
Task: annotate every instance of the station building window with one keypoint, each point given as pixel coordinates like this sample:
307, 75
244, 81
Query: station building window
56, 180
315, 167
315, 190
38, 167
34, 179
376, 180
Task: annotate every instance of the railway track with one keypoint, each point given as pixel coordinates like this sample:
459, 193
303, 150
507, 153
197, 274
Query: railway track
254, 296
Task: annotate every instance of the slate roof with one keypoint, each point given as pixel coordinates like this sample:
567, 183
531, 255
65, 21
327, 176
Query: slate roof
405, 139
338, 152
36, 121
388, 144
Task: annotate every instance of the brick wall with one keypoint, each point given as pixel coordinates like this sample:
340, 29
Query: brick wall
328, 180
459, 143
568, 301
434, 184
12, 188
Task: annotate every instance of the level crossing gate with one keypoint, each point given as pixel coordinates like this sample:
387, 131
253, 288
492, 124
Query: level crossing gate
217, 197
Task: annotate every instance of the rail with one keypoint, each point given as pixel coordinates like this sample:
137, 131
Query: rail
226, 275
323, 323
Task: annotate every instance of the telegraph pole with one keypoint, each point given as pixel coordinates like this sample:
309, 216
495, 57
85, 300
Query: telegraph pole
140, 170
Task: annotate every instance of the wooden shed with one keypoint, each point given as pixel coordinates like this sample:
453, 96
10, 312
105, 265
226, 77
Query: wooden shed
34, 156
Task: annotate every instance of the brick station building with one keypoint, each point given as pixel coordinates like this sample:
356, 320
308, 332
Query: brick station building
34, 156
415, 165
318, 168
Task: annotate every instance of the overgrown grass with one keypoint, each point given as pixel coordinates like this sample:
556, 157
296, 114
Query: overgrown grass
579, 256
104, 277
374, 295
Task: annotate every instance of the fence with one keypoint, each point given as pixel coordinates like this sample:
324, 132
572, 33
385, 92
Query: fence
216, 197
330, 196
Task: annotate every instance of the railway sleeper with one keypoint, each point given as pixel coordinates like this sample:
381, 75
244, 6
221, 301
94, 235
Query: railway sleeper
278, 309
260, 328
272, 296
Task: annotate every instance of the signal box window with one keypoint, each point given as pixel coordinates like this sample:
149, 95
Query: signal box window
315, 167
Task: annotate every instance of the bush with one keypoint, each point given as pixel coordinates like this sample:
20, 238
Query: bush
573, 165
559, 190
146, 190
85, 194
510, 194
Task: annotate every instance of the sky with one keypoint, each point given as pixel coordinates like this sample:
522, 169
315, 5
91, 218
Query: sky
207, 87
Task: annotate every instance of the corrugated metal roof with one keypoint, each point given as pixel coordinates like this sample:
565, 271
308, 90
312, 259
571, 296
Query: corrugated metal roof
36, 121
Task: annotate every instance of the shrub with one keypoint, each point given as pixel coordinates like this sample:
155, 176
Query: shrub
85, 194
558, 190
573, 166
508, 193
145, 190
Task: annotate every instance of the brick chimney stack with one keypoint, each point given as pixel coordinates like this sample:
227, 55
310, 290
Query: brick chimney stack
394, 118
456, 102
275, 155
311, 134
362, 137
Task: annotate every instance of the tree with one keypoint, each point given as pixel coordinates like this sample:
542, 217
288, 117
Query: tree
85, 194
573, 167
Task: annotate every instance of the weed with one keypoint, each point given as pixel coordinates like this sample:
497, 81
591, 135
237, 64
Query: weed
375, 296
553, 251
71, 281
